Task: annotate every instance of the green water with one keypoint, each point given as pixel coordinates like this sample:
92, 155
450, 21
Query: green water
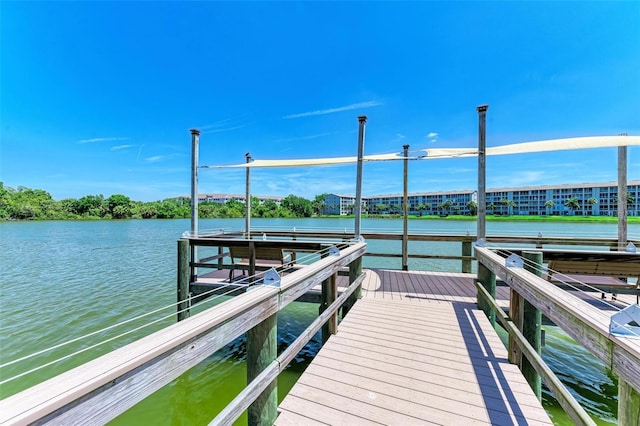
62, 280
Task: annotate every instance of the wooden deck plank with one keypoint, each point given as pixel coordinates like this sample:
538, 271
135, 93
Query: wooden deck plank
444, 404
295, 419
414, 350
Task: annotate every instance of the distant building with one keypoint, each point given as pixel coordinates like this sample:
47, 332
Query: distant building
593, 199
223, 198
339, 204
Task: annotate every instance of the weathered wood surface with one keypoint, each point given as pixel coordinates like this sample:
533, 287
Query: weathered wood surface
101, 389
587, 325
410, 360
396, 236
423, 286
566, 400
235, 408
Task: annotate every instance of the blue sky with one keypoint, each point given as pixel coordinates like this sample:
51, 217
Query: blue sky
99, 97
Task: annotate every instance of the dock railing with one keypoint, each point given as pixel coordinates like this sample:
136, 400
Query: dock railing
586, 324
100, 390
405, 252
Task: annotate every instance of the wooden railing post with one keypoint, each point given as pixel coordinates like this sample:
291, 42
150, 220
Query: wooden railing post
329, 294
628, 404
184, 276
488, 281
252, 260
355, 270
466, 251
515, 313
262, 350
220, 259
532, 323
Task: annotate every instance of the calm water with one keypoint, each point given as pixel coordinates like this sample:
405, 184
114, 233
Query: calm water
63, 280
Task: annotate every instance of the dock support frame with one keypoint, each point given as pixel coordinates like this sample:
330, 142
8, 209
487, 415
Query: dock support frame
184, 278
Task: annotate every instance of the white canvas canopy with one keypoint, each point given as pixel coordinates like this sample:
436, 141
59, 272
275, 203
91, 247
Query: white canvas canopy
310, 161
430, 154
537, 146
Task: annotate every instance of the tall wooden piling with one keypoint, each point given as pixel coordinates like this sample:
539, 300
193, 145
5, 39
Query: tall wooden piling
405, 211
184, 276
247, 198
488, 281
195, 142
362, 120
532, 323
262, 350
622, 197
482, 170
628, 404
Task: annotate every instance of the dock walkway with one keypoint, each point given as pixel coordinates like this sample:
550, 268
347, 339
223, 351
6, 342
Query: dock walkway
414, 350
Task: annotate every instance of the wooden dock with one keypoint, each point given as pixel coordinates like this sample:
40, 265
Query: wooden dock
413, 350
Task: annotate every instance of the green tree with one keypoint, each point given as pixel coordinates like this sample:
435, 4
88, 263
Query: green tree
422, 207
445, 206
300, 207
592, 201
630, 199
573, 203
119, 206
318, 204
473, 207
91, 205
549, 205
382, 208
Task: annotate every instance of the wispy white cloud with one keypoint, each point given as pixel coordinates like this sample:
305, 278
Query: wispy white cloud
432, 136
367, 104
224, 129
101, 140
219, 123
139, 152
304, 138
398, 138
225, 125
118, 147
157, 158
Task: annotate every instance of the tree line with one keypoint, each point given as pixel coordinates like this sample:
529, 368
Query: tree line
24, 203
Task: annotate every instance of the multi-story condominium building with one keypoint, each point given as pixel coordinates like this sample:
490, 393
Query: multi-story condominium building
223, 198
339, 204
588, 199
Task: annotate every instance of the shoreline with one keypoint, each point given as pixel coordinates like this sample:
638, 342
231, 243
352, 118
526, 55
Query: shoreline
489, 218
